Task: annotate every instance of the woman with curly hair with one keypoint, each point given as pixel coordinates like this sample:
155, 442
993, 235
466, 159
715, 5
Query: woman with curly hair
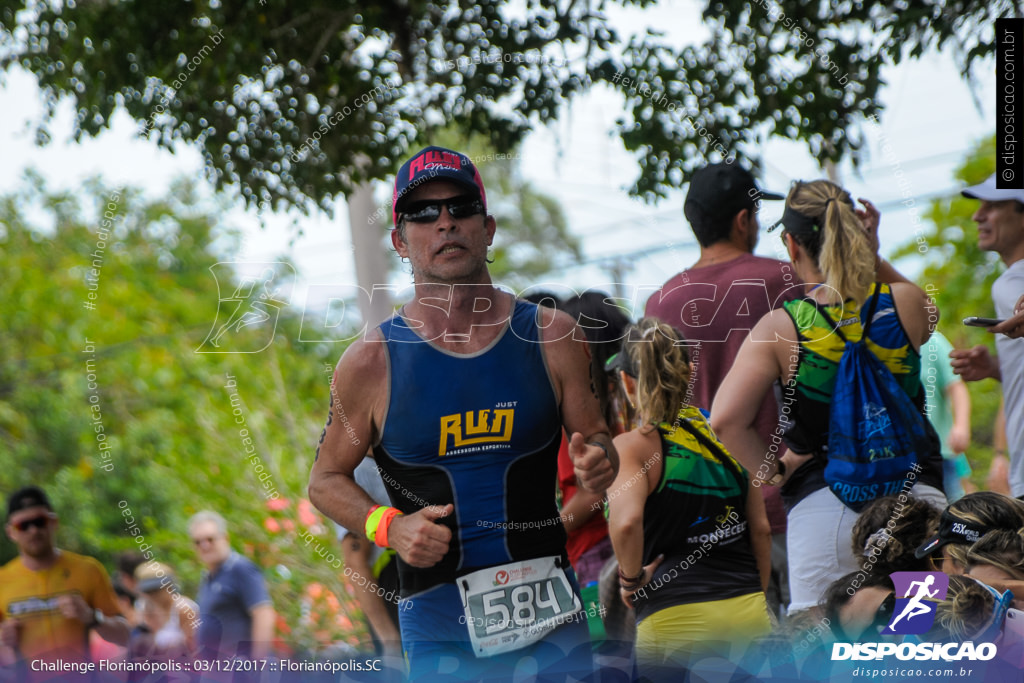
888, 532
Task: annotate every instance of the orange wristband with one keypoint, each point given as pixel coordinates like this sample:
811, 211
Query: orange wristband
385, 524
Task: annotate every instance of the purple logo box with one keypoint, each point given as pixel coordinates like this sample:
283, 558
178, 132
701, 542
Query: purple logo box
917, 594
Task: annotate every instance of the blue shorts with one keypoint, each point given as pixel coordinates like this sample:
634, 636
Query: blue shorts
436, 641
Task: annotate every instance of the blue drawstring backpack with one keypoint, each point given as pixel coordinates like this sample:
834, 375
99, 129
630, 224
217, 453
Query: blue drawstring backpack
876, 434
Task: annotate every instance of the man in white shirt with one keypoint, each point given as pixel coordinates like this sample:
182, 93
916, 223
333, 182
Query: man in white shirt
1000, 219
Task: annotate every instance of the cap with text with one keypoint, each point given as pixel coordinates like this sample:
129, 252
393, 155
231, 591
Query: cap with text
952, 529
436, 163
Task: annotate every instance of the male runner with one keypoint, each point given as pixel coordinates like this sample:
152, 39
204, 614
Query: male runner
463, 396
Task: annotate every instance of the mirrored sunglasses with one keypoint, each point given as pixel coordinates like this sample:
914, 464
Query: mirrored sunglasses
428, 211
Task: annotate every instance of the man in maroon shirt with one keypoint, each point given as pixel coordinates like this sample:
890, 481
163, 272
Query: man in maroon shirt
719, 299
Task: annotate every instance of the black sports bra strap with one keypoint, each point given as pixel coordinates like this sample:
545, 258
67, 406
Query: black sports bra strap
874, 296
715, 448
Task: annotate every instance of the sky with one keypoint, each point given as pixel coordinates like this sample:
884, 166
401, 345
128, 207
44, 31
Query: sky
929, 124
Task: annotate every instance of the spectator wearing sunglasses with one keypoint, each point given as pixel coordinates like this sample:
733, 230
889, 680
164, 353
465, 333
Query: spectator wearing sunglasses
862, 614
50, 598
237, 615
464, 394
972, 611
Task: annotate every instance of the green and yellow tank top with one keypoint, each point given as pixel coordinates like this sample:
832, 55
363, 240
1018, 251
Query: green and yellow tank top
697, 517
805, 402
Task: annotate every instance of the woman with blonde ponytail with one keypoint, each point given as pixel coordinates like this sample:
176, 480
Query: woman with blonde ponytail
689, 531
833, 248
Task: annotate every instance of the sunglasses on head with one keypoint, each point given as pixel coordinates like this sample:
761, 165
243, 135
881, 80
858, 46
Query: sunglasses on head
429, 210
39, 522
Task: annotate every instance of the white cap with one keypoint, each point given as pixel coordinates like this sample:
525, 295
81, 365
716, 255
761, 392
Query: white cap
989, 192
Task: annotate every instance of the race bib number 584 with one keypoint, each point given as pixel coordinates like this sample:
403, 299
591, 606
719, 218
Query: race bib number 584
515, 605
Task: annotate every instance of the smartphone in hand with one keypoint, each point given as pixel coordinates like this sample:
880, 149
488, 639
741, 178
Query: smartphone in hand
974, 321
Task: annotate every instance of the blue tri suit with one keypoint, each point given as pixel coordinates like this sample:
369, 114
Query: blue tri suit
480, 431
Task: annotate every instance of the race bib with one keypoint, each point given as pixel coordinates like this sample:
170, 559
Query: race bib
515, 605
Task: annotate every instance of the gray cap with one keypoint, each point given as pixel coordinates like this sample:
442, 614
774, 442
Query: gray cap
988, 191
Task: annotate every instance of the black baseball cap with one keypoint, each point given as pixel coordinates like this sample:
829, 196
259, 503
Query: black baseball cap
952, 529
722, 190
27, 497
436, 163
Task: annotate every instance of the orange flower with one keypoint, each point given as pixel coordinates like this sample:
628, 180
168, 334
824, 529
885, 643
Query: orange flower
278, 504
307, 515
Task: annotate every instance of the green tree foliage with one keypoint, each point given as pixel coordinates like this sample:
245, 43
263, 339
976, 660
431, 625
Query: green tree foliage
294, 103
184, 428
809, 72
959, 277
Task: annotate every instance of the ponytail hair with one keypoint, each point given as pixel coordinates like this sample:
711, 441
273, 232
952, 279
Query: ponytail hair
967, 607
839, 244
661, 362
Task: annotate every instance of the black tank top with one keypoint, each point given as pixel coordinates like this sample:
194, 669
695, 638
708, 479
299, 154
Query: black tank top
697, 518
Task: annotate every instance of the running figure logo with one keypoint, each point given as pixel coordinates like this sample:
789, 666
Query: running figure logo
254, 303
916, 596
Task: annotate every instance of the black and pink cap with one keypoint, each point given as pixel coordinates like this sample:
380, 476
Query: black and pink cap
436, 163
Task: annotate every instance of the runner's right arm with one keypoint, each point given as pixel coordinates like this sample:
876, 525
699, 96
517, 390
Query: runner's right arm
640, 464
358, 402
